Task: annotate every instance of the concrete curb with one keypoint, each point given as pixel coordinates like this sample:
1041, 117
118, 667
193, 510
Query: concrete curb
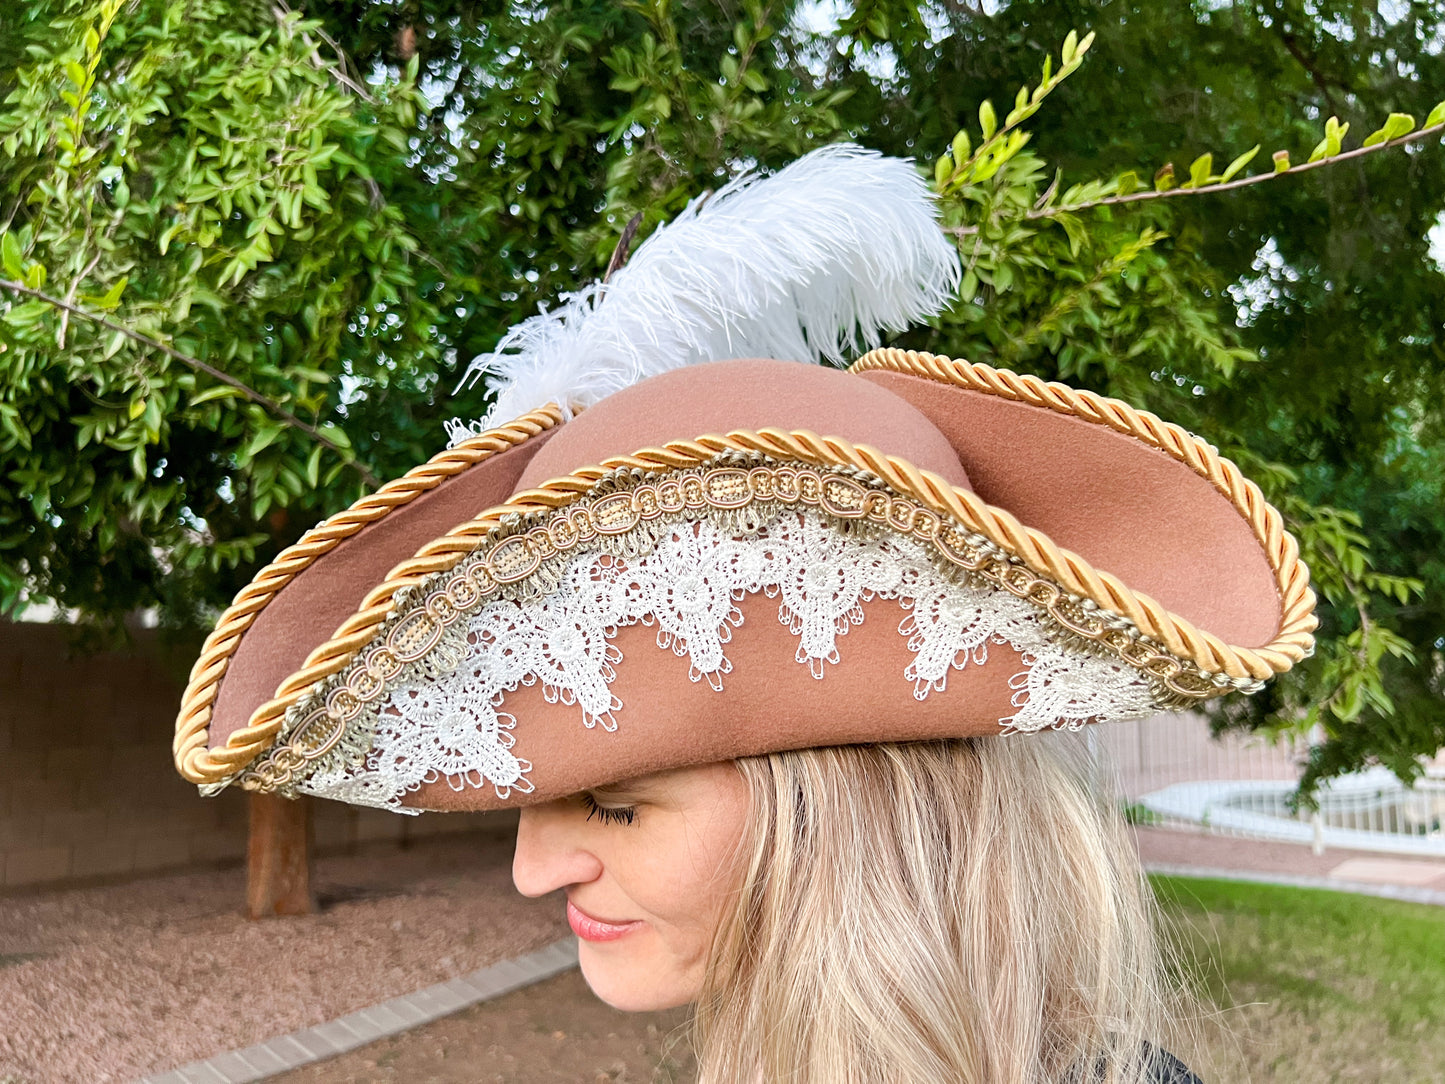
1407, 893
377, 1022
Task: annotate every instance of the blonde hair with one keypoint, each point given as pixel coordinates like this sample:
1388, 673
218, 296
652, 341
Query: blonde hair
965, 911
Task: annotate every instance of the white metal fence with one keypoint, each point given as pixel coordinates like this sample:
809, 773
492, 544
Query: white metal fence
1171, 772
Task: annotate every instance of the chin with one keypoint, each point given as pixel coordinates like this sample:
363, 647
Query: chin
632, 985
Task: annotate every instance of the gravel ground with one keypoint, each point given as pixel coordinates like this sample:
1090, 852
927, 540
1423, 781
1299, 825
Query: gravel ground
550, 1033
111, 983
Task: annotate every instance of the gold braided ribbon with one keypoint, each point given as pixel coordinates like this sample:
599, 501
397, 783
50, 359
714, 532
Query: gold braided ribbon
200, 764
193, 759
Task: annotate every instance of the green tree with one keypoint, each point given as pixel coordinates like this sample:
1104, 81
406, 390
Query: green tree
1323, 286
279, 234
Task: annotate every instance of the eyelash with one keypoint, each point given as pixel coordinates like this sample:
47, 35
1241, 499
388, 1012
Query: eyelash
607, 815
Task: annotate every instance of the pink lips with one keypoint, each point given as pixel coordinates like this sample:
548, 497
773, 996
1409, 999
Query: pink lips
594, 929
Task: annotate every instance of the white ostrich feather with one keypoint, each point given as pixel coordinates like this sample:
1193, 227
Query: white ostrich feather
811, 263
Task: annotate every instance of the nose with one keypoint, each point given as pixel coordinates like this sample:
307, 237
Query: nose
549, 852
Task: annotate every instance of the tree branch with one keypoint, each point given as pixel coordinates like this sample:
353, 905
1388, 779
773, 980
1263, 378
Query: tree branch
340, 74
1225, 186
199, 366
1291, 45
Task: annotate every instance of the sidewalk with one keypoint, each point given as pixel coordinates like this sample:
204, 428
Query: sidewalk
1164, 850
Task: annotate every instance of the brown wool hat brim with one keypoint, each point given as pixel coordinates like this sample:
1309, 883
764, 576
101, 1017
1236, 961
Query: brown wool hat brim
1130, 514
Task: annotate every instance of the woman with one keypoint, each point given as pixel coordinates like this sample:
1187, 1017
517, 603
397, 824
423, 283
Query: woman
761, 889
757, 648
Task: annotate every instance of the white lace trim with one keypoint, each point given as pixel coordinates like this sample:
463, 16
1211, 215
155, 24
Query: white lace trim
448, 725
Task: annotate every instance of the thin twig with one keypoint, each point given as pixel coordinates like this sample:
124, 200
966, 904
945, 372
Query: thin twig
1291, 44
70, 298
281, 10
624, 246
343, 76
1225, 186
201, 367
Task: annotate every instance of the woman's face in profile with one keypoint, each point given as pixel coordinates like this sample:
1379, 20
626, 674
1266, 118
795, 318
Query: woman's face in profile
648, 866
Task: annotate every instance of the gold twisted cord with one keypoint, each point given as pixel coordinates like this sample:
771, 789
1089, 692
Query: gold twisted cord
1294, 639
192, 725
1035, 549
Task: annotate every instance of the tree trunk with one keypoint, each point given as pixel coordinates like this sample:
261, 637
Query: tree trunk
278, 857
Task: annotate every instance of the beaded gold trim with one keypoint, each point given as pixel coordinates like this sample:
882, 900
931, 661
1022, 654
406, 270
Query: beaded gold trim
629, 503
199, 763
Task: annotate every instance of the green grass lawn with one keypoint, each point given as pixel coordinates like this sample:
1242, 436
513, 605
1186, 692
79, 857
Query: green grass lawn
1310, 986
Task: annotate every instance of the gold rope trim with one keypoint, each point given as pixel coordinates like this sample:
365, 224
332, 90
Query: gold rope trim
622, 506
1293, 641
193, 759
1068, 570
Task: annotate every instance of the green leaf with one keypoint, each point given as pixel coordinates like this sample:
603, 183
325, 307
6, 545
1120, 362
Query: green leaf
1127, 182
1437, 116
1396, 125
1021, 101
137, 408
1075, 230
112, 296
26, 315
961, 148
1200, 171
1331, 144
1071, 47
1164, 178
1239, 163
218, 391
336, 436
264, 437
1281, 161
987, 119
11, 256
942, 170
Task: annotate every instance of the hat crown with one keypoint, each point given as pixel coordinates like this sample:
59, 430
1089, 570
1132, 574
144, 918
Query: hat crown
751, 394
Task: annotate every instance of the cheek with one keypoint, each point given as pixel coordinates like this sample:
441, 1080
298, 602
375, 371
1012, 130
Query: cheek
689, 885
662, 965
683, 879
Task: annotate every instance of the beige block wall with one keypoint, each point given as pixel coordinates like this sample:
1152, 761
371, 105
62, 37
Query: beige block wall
87, 789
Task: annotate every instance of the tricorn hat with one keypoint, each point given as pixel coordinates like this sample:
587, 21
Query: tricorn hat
744, 556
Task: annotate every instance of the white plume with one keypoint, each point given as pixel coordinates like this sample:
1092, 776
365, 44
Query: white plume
810, 263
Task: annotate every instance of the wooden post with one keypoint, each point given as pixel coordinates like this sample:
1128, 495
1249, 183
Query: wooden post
278, 857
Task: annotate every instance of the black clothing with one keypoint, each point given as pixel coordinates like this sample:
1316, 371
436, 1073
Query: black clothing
1165, 1068
1162, 1068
